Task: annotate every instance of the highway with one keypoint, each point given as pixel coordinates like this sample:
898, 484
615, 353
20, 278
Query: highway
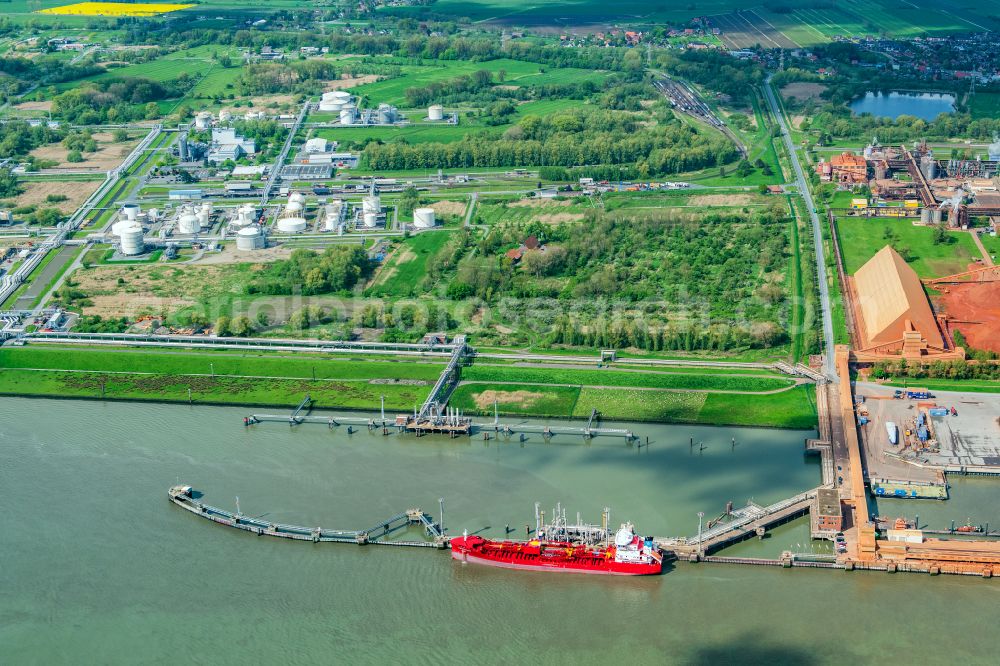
829, 365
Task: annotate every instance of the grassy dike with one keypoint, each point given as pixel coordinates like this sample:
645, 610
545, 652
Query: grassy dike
677, 395
666, 397
214, 377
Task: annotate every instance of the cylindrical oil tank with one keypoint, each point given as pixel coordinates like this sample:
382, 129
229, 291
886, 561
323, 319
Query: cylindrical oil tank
435, 112
386, 114
423, 218
371, 204
936, 216
341, 96
348, 114
120, 226
329, 105
370, 220
331, 215
292, 225
130, 211
293, 207
188, 223
131, 243
297, 197
249, 238
925, 215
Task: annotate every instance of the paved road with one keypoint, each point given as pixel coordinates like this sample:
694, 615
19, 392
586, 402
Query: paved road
829, 365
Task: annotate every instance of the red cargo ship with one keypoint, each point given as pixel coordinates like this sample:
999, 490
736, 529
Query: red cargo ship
631, 554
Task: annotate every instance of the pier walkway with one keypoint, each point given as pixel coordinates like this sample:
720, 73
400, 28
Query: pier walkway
743, 523
183, 496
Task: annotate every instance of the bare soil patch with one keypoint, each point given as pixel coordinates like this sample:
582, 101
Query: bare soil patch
978, 302
559, 218
230, 255
145, 289
75, 191
108, 154
34, 106
541, 203
723, 200
351, 82
803, 90
448, 207
519, 398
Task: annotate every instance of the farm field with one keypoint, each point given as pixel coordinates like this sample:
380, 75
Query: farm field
115, 9
860, 238
744, 22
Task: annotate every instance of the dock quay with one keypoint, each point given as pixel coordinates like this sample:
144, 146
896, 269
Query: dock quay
184, 497
738, 525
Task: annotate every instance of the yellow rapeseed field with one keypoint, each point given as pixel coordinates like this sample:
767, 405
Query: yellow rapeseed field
114, 9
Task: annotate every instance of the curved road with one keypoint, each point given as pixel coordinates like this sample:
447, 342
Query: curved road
829, 366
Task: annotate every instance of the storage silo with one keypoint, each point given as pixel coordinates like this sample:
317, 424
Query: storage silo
348, 114
249, 238
293, 207
936, 215
292, 225
182, 148
925, 215
297, 197
423, 218
203, 120
435, 112
131, 240
369, 220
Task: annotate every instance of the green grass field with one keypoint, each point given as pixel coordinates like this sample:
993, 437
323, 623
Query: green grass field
789, 409
405, 269
191, 363
625, 378
860, 238
984, 105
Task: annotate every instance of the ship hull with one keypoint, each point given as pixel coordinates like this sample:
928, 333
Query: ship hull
475, 559
536, 557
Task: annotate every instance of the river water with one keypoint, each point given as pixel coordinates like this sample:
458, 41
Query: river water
96, 566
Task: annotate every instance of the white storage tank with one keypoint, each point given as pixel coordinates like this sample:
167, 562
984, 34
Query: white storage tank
370, 220
130, 211
348, 114
203, 120
435, 112
331, 214
188, 223
371, 204
153, 214
292, 225
249, 238
386, 114
293, 207
120, 226
297, 197
423, 218
131, 243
